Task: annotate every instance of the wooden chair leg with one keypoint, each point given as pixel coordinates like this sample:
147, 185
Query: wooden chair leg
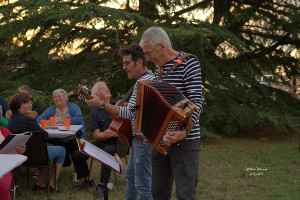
116, 180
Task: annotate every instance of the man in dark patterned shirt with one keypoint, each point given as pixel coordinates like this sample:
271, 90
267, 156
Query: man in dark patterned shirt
182, 162
105, 138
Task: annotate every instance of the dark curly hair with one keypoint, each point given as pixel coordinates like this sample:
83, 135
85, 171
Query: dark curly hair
135, 51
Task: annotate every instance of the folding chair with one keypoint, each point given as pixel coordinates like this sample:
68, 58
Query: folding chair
37, 153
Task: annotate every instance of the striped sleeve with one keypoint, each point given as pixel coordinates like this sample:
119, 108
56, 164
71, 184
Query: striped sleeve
193, 85
129, 112
187, 78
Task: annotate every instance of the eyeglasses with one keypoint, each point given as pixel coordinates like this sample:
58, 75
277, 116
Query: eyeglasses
149, 53
126, 63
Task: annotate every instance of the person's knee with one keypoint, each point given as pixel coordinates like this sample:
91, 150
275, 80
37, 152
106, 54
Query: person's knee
129, 175
111, 149
78, 156
61, 152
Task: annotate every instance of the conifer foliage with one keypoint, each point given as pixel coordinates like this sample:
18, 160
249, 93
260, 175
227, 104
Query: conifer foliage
50, 44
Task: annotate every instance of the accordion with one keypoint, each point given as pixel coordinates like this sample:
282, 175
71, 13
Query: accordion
161, 108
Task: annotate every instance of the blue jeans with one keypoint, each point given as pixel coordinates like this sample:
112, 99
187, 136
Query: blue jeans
138, 171
57, 152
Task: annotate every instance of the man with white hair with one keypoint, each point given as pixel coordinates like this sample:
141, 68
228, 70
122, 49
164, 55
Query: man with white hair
182, 161
105, 138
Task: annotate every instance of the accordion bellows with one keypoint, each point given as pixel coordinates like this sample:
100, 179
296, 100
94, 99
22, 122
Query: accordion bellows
161, 108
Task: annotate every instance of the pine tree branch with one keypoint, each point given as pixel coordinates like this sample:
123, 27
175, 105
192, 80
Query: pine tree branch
202, 4
274, 37
264, 51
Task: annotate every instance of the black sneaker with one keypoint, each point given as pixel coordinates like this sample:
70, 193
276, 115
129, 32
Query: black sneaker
99, 191
51, 189
84, 184
37, 188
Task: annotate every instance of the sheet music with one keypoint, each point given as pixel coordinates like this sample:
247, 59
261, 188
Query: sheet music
10, 161
101, 155
18, 139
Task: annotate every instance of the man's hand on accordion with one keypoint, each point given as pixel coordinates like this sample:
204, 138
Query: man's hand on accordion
176, 136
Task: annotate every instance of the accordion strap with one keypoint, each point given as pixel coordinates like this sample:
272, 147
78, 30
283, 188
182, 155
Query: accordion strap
188, 127
177, 62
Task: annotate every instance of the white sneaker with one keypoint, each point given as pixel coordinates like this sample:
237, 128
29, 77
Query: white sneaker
74, 177
110, 186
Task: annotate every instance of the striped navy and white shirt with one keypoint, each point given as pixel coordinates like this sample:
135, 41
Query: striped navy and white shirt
129, 112
187, 78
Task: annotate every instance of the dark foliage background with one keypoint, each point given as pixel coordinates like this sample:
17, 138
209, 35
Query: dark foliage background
50, 44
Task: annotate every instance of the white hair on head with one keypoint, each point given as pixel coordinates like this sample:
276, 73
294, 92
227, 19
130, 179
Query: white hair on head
95, 87
62, 91
25, 87
155, 35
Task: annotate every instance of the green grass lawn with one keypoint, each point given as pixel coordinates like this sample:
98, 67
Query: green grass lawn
266, 168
